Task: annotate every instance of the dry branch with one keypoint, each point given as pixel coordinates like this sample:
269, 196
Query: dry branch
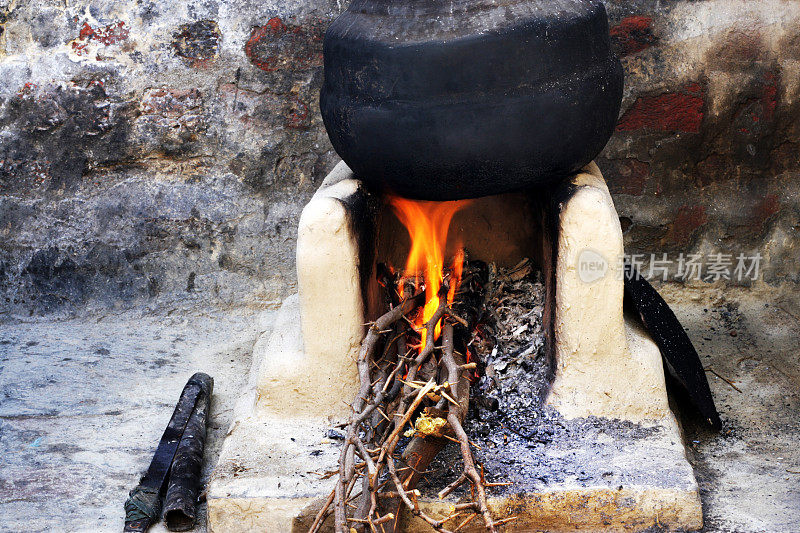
397, 385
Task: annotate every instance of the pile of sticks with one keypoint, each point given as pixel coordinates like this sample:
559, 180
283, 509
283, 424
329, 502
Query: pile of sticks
408, 390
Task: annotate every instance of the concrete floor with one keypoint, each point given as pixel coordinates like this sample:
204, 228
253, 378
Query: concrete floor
749, 473
83, 403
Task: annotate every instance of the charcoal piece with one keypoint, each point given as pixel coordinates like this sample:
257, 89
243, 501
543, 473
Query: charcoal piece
334, 434
679, 355
180, 503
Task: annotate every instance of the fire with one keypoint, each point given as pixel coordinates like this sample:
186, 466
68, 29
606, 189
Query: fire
428, 224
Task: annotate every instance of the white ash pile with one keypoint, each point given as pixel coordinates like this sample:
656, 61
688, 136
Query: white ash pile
509, 395
520, 440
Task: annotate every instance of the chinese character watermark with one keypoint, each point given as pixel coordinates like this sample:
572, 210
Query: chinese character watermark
592, 266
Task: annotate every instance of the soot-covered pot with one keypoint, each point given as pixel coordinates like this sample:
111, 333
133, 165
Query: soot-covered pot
443, 100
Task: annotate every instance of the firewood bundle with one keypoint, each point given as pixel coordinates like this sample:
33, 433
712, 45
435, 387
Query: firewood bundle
414, 384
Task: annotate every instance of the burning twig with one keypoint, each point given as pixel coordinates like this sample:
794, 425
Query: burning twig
406, 377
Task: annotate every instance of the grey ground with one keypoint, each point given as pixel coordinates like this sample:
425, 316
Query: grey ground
749, 474
84, 401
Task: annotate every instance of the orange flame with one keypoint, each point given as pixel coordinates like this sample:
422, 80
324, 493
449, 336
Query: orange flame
428, 224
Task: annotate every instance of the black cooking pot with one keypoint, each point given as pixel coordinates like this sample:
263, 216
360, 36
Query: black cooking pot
444, 100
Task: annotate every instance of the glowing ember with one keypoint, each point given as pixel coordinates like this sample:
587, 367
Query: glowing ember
427, 224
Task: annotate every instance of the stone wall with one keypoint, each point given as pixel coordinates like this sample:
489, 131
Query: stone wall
706, 156
156, 152
159, 153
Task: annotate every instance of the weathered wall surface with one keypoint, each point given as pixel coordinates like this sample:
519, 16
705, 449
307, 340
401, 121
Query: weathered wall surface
706, 156
156, 151
160, 152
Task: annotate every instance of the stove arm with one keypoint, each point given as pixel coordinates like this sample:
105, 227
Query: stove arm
605, 364
319, 378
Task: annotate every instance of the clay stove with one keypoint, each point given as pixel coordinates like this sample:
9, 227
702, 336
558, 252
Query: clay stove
628, 473
506, 104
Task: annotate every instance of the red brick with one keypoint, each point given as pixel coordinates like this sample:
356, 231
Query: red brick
106, 35
785, 156
755, 115
687, 220
299, 117
765, 210
280, 46
171, 103
633, 34
197, 42
680, 111
629, 177
742, 47
714, 168
769, 94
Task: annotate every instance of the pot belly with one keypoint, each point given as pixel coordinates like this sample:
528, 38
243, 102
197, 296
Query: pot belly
447, 149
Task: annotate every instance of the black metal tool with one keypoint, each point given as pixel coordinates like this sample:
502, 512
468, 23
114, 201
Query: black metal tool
180, 502
143, 507
677, 350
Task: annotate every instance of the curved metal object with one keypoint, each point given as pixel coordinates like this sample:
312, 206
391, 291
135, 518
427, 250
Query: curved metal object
677, 350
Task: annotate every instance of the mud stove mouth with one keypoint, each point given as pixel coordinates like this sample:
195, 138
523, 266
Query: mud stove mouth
599, 449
